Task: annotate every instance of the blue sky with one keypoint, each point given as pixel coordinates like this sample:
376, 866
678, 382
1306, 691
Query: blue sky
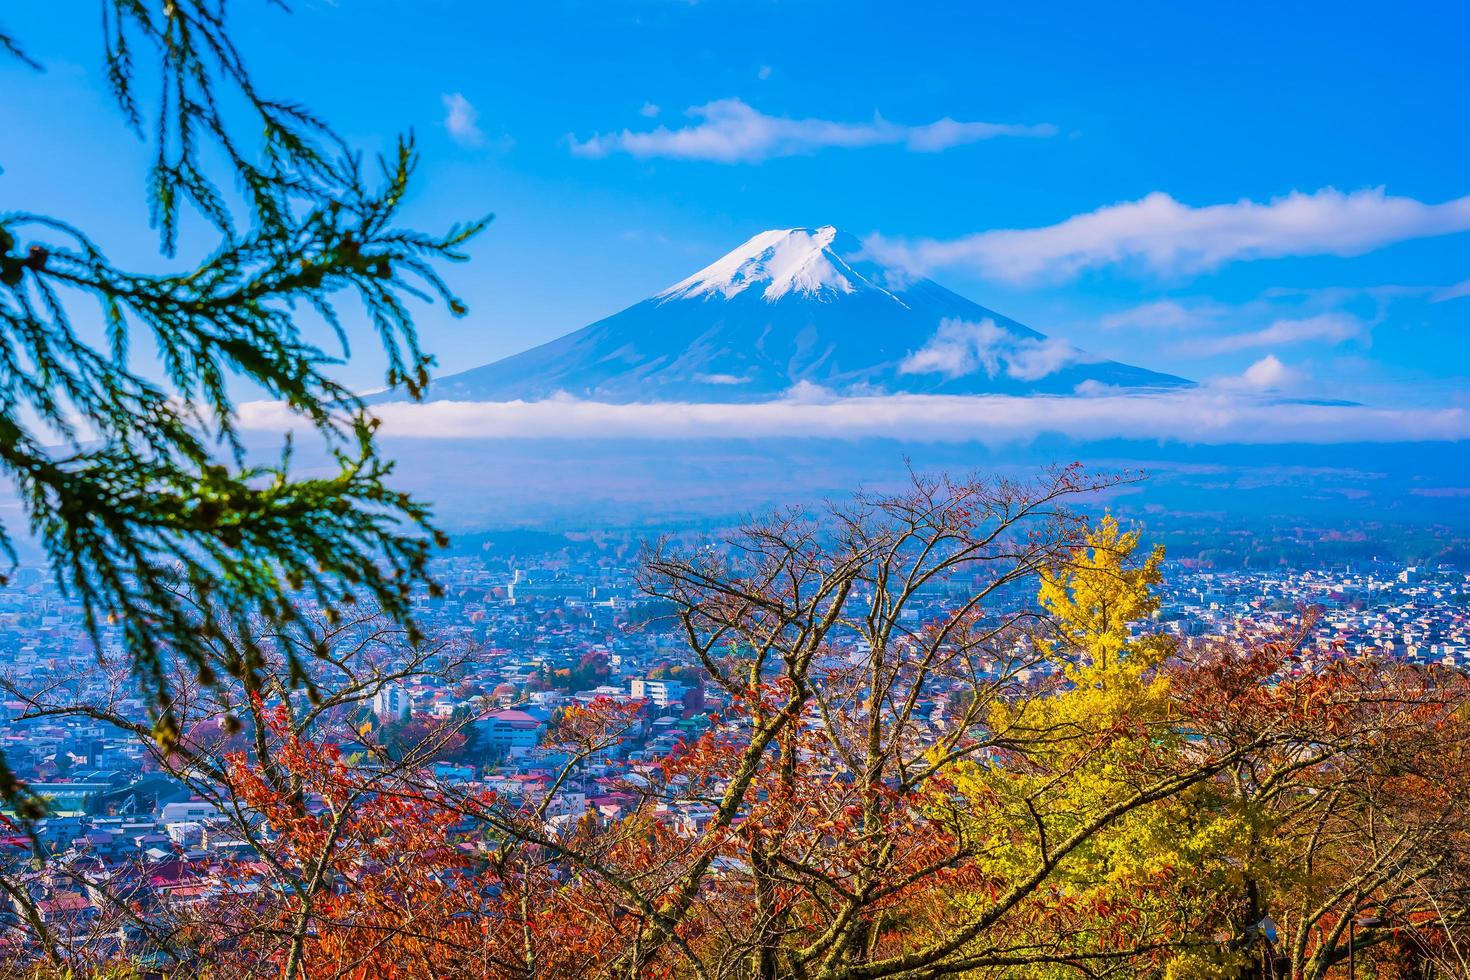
572, 122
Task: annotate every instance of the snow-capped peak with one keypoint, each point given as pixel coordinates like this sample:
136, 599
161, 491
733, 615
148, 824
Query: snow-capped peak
803, 261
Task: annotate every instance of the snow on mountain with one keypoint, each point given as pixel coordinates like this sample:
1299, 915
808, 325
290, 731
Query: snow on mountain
796, 309
793, 260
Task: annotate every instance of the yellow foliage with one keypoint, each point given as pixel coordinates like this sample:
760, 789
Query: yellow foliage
1095, 595
1093, 743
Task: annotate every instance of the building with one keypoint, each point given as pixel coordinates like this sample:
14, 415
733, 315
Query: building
392, 703
662, 693
510, 732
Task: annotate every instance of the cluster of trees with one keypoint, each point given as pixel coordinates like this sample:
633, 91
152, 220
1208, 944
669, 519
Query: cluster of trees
591, 670
1023, 787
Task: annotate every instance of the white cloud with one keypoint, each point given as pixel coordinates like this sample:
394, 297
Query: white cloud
1164, 314
649, 110
1164, 236
1332, 328
764, 73
1035, 359
1211, 415
945, 133
1457, 291
461, 119
958, 348
961, 347
809, 393
730, 131
1268, 374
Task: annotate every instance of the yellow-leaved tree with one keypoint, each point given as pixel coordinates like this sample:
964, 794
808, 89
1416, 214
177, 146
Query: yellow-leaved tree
1144, 893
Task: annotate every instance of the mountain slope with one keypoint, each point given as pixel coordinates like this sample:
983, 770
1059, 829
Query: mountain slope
792, 309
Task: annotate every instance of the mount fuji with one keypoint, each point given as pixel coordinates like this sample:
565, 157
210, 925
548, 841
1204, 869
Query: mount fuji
792, 311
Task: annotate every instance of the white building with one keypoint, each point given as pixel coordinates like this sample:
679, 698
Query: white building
510, 732
662, 693
188, 834
392, 703
189, 811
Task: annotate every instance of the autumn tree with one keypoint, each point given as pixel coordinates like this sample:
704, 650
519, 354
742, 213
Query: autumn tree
1354, 812
251, 741
1062, 787
391, 874
365, 873
1341, 802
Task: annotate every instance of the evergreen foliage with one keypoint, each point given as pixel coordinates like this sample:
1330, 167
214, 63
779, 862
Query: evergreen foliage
135, 480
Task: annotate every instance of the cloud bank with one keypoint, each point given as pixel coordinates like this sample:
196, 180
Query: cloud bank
1209, 415
1163, 236
730, 131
